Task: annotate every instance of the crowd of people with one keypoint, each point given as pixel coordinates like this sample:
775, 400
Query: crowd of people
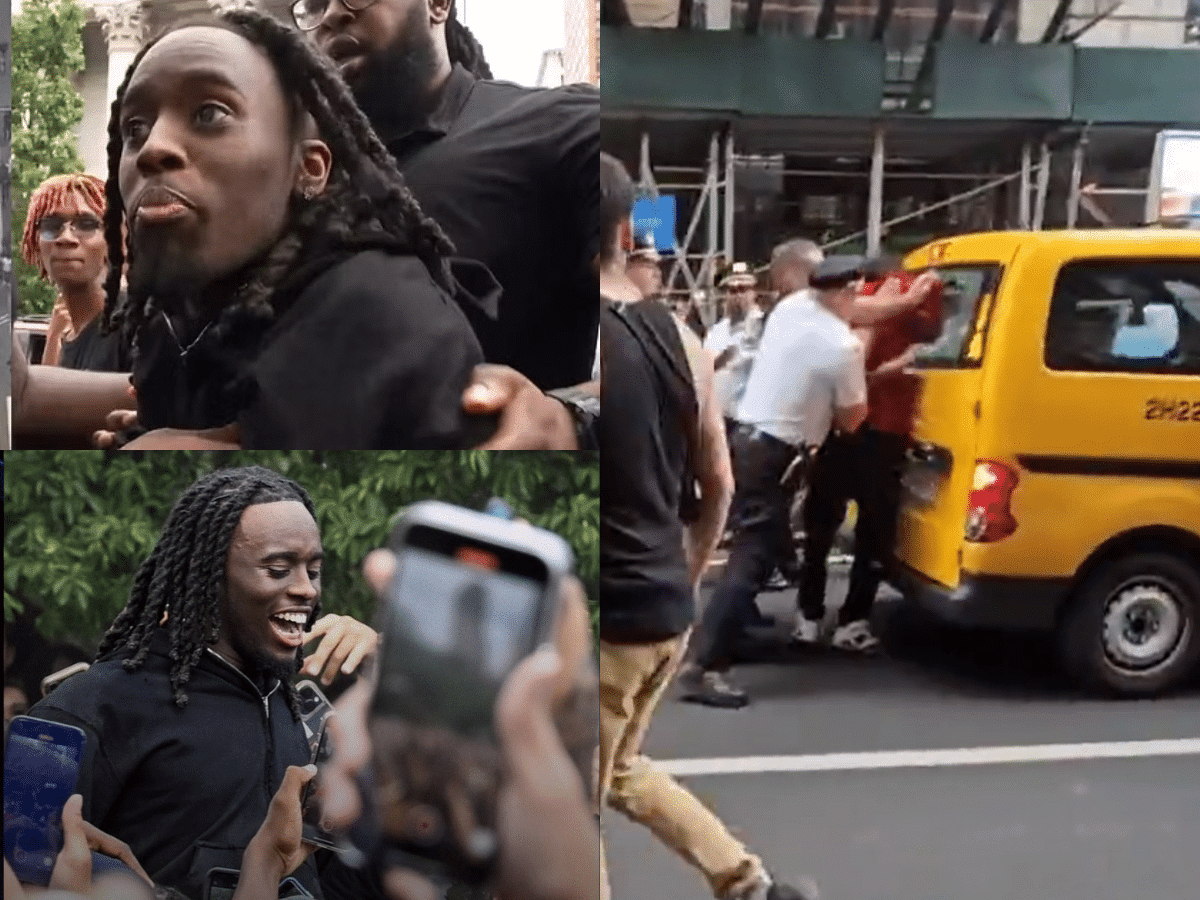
338, 233
196, 755
803, 386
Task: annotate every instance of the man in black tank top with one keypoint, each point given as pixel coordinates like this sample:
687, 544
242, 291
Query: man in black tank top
662, 431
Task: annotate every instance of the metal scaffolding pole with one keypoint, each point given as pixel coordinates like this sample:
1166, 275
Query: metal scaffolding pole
714, 220
647, 173
875, 199
929, 207
1026, 177
1076, 182
729, 188
1154, 192
1043, 185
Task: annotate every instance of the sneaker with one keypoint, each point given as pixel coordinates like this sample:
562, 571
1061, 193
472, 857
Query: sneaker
768, 889
856, 636
777, 582
711, 689
807, 631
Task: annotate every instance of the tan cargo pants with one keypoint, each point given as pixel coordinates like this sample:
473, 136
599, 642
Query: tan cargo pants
632, 681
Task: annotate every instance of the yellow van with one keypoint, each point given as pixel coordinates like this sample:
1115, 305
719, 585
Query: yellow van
1054, 480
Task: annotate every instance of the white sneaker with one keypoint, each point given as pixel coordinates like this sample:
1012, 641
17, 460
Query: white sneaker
807, 631
856, 636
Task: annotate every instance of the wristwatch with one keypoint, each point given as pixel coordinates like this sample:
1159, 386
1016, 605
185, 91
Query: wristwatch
585, 410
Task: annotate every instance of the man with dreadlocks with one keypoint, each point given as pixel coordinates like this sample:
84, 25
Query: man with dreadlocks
511, 173
63, 241
190, 710
281, 277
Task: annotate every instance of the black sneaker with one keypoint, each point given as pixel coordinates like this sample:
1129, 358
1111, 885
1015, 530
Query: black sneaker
777, 582
773, 890
711, 689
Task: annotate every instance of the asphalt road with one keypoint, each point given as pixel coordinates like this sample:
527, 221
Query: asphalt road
1081, 828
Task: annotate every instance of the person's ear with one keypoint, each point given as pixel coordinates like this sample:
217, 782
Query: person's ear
314, 166
439, 11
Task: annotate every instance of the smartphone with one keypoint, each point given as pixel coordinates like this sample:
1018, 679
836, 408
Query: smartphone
220, 884
41, 769
53, 680
314, 710
310, 810
473, 595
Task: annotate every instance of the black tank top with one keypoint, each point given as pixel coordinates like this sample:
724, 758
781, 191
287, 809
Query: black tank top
649, 405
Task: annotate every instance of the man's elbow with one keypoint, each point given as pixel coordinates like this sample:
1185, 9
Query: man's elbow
717, 485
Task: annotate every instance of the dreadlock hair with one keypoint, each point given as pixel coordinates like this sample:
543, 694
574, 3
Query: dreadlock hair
365, 190
52, 193
463, 48
186, 570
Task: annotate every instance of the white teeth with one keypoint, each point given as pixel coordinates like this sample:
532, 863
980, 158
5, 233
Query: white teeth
294, 618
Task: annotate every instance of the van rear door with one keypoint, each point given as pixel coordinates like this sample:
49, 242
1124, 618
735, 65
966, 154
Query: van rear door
941, 466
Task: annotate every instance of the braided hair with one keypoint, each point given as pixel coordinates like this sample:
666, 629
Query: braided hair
186, 570
365, 190
463, 48
86, 190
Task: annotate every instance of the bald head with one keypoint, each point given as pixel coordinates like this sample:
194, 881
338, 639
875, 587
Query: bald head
792, 262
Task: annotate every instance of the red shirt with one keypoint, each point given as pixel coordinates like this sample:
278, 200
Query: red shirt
892, 400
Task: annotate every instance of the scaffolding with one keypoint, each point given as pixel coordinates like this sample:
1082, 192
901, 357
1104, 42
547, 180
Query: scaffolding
1053, 180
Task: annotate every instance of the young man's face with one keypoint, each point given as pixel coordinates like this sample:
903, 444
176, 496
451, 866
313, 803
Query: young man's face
647, 275
71, 244
273, 583
209, 162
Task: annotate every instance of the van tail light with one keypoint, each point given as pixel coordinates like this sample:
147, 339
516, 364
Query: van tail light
989, 508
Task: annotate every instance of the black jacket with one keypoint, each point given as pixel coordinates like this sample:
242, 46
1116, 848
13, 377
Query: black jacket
185, 788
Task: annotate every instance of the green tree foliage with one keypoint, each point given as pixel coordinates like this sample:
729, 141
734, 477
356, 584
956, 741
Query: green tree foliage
77, 524
47, 54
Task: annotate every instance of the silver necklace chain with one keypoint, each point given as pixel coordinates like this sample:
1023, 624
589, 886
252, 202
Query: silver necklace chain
183, 351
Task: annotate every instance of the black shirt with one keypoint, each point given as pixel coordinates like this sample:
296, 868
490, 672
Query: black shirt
186, 788
648, 398
368, 353
95, 352
512, 175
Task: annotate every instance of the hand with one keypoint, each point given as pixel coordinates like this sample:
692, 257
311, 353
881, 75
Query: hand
345, 643
117, 420
529, 420
547, 827
921, 287
277, 848
73, 867
226, 438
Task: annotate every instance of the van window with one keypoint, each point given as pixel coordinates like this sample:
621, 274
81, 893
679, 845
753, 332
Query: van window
966, 307
1126, 316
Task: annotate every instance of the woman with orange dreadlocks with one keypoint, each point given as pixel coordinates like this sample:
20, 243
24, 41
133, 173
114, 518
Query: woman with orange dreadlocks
64, 239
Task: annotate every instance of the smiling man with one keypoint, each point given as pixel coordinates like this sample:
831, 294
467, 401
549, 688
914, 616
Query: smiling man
190, 711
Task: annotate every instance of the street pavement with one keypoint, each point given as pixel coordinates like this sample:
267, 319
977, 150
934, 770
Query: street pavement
1086, 828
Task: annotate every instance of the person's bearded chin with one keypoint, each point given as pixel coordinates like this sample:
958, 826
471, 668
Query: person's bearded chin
392, 89
259, 662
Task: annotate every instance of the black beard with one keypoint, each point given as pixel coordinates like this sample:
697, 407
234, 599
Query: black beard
393, 87
159, 271
262, 668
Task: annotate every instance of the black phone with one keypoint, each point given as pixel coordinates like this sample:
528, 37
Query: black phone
41, 770
313, 831
473, 595
314, 710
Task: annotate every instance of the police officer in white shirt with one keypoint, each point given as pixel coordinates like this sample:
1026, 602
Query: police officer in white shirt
809, 375
733, 341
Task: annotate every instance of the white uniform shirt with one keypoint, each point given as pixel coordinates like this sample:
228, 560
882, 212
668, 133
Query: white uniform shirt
729, 382
809, 363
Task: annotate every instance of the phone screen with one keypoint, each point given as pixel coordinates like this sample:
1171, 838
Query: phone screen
41, 769
313, 832
460, 615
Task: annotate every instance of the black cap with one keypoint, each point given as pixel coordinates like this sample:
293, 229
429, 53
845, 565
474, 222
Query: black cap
837, 272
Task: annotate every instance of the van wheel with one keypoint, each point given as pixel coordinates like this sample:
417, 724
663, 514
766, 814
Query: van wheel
1133, 627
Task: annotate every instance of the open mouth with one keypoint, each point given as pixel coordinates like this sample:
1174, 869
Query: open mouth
289, 628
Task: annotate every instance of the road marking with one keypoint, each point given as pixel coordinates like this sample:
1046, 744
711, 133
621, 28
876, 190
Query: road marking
924, 759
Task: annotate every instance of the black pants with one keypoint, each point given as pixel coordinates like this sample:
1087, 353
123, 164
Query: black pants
759, 517
865, 468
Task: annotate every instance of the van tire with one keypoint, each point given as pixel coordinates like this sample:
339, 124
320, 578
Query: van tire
1083, 631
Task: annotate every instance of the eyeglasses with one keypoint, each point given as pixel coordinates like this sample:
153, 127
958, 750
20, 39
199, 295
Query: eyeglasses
307, 14
50, 227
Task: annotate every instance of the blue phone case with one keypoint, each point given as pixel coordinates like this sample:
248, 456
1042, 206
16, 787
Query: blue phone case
41, 770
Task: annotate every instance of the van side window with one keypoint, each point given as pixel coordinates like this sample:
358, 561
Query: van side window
1126, 316
967, 292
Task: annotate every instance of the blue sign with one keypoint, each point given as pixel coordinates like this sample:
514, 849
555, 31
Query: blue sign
656, 217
